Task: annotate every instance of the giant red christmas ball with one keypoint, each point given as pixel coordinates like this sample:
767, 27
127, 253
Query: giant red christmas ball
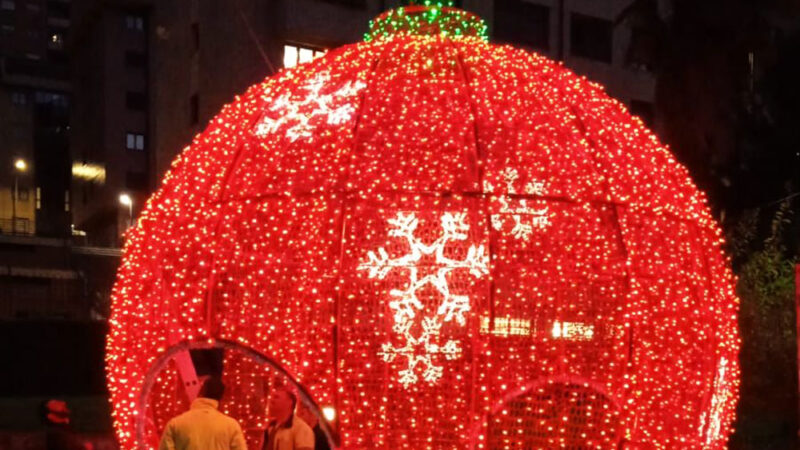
449, 244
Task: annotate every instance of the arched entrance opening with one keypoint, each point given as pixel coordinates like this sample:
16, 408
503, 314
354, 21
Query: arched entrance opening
556, 413
249, 376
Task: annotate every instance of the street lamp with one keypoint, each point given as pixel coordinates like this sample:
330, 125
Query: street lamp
20, 167
126, 200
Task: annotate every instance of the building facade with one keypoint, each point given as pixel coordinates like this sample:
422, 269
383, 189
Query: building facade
111, 118
34, 100
150, 74
204, 52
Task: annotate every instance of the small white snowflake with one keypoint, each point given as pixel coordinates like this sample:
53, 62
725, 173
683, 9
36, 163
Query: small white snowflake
524, 218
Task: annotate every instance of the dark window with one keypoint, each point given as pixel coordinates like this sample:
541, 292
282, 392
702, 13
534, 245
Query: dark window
644, 110
58, 9
135, 59
6, 28
134, 22
136, 101
194, 109
7, 5
57, 56
351, 3
19, 98
136, 181
523, 23
195, 36
591, 37
134, 141
22, 195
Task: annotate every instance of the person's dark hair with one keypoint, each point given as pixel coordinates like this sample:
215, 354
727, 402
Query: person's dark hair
291, 395
293, 398
213, 388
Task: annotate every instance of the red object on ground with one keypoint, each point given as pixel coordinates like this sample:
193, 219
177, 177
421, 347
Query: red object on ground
57, 411
452, 244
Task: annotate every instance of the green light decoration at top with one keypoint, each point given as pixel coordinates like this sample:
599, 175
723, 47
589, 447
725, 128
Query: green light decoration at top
427, 18
437, 3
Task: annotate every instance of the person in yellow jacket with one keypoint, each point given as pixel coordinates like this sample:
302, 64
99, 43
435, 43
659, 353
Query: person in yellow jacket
203, 427
286, 431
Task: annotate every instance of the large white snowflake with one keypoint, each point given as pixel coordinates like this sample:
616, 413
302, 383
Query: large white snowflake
422, 343
297, 115
524, 219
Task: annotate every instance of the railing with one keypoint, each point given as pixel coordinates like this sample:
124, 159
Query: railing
23, 226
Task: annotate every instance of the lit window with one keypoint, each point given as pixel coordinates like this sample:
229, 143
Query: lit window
43, 97
294, 55
90, 172
7, 5
133, 22
38, 198
289, 56
573, 331
506, 326
134, 141
305, 55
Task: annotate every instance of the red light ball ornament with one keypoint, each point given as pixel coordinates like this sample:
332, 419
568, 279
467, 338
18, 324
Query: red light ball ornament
448, 244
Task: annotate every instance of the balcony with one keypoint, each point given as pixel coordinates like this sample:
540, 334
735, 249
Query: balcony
22, 227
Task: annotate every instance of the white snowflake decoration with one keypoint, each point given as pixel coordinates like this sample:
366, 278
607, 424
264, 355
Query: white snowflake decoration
296, 116
524, 218
419, 350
